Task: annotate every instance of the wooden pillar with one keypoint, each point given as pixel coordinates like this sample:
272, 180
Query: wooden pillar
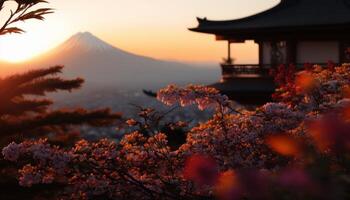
344, 54
291, 52
229, 59
274, 54
342, 49
261, 53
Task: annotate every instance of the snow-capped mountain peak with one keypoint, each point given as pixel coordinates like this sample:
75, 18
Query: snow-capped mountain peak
86, 41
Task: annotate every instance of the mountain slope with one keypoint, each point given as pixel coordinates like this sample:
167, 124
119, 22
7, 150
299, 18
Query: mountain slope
98, 62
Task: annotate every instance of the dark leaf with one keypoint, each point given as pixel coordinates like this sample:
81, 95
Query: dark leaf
11, 30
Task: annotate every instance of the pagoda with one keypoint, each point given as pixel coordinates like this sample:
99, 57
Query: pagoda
292, 32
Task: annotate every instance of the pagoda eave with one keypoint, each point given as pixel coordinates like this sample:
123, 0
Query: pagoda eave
313, 33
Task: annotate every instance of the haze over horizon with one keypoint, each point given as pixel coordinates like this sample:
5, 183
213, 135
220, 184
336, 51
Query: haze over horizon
102, 64
142, 27
43, 53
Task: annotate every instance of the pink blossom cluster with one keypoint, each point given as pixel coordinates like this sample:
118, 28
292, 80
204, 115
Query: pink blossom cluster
202, 96
237, 140
53, 160
12, 151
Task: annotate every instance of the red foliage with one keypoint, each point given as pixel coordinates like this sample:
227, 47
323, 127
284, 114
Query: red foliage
331, 65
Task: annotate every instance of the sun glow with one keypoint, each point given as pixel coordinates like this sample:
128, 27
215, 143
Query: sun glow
18, 48
38, 38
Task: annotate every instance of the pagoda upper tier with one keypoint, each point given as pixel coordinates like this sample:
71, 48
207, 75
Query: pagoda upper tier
288, 19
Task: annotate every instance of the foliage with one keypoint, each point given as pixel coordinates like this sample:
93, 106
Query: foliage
297, 148
24, 10
23, 114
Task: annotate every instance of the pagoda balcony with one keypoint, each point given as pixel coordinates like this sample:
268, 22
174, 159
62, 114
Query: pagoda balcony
248, 84
230, 71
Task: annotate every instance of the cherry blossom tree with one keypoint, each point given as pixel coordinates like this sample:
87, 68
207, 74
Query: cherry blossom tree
294, 148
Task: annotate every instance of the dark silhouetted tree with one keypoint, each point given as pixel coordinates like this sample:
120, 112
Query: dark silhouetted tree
25, 10
21, 112
23, 115
24, 110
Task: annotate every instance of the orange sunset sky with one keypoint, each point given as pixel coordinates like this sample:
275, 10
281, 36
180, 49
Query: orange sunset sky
155, 28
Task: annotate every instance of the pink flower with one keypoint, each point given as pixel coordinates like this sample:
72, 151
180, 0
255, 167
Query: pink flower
131, 122
49, 177
12, 151
29, 176
204, 97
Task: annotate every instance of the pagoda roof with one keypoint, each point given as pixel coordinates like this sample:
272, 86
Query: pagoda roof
287, 15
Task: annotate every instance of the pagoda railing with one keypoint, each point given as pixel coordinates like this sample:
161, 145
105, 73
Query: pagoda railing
244, 70
252, 70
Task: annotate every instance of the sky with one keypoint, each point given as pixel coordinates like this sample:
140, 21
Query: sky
154, 28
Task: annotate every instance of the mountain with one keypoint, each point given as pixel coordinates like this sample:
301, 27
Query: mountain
99, 63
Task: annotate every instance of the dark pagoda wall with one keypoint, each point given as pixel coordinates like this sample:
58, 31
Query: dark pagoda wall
318, 51
344, 51
299, 52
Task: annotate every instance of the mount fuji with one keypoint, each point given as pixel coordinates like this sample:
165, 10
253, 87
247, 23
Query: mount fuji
99, 63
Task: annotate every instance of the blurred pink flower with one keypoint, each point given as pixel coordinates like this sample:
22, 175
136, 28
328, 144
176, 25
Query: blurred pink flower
12, 151
228, 186
331, 132
284, 145
295, 179
201, 169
